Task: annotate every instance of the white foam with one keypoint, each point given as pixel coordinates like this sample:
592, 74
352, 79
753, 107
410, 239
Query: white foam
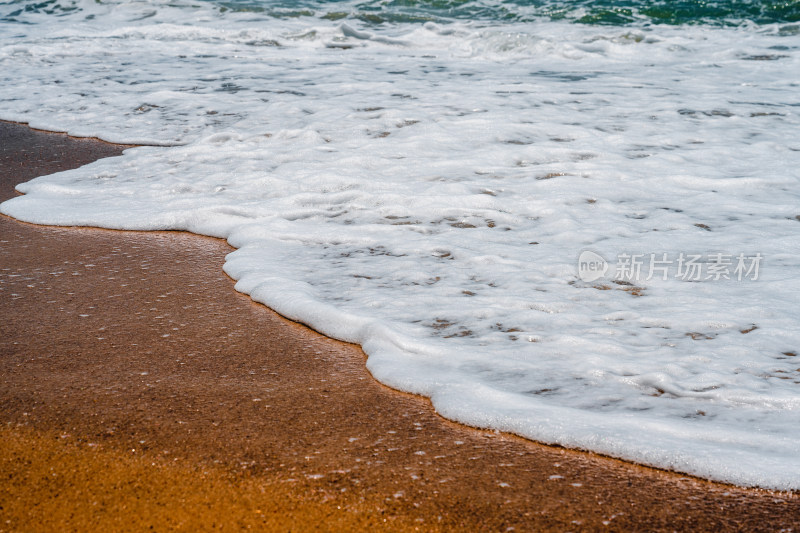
386, 186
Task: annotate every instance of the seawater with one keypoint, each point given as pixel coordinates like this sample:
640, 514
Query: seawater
421, 178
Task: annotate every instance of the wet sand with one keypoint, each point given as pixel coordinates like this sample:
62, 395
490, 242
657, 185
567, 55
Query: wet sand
138, 389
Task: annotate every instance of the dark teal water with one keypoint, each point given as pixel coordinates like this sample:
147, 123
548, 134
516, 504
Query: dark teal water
615, 12
600, 12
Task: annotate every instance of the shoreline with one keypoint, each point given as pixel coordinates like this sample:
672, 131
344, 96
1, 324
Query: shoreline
124, 361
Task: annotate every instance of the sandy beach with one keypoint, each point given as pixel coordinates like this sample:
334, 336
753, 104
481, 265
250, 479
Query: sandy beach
138, 390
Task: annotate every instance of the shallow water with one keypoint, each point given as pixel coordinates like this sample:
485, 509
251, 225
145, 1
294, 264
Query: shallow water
423, 182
